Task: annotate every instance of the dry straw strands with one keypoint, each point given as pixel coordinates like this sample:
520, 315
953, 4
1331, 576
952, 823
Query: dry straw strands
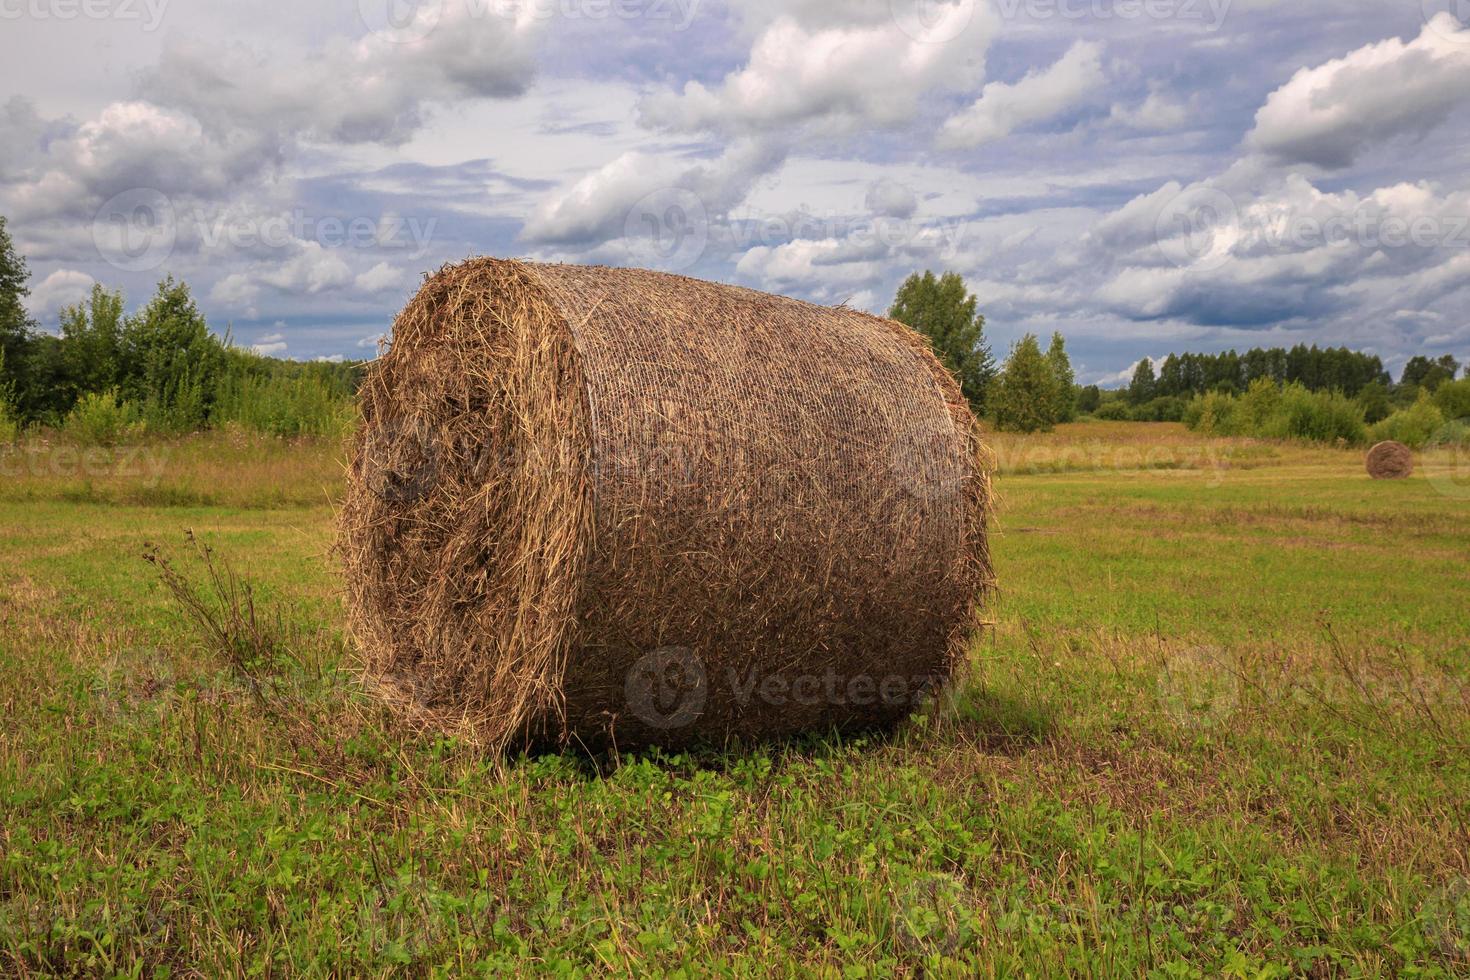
612, 505
1390, 461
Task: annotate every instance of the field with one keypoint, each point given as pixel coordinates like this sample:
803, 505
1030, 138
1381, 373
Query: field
1219, 728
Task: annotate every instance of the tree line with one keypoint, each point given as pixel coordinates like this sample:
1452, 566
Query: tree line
1035, 389
107, 374
1315, 369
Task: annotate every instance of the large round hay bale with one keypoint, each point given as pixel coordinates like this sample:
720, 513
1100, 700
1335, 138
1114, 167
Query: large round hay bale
1390, 460
613, 505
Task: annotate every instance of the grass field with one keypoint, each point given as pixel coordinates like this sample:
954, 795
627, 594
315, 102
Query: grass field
1219, 728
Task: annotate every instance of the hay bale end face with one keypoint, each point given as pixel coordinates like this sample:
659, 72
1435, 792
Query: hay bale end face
1390, 460
620, 506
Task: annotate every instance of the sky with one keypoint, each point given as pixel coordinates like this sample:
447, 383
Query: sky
1143, 176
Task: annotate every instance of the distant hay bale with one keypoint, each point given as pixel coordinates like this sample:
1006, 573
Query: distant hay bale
619, 506
1390, 460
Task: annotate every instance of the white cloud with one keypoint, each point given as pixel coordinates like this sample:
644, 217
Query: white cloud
312, 270
835, 76
1004, 107
1157, 113
609, 202
234, 290
380, 278
211, 117
887, 196
1116, 378
1330, 114
131, 145
371, 89
805, 262
60, 289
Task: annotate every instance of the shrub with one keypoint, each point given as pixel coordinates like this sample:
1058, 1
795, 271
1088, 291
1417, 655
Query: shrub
1252, 413
1211, 413
1089, 399
1316, 416
102, 419
1167, 408
286, 398
1453, 434
1412, 426
9, 425
1113, 411
1374, 401
282, 406
1267, 410
1453, 399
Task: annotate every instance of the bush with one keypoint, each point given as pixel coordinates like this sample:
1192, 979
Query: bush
1453, 434
1453, 399
1253, 412
1114, 411
9, 425
1412, 426
1267, 410
1089, 399
1167, 408
1374, 401
285, 398
1316, 416
1211, 413
102, 419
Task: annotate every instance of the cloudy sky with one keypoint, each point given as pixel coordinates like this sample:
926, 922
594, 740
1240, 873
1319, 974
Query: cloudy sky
1142, 175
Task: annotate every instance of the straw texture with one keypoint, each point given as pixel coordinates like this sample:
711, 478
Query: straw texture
620, 506
1390, 460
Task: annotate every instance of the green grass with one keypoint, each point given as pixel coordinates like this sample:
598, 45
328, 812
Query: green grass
1221, 727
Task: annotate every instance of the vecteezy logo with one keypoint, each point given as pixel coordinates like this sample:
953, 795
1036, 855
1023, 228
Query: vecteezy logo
929, 915
135, 231
932, 21
1197, 689
922, 458
1447, 459
400, 21
1446, 920
1191, 228
674, 223
667, 688
400, 462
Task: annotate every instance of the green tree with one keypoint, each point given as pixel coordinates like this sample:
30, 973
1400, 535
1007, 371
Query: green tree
1025, 398
1373, 400
944, 312
1061, 370
15, 323
9, 425
1141, 388
1428, 373
168, 360
1453, 399
91, 335
1089, 399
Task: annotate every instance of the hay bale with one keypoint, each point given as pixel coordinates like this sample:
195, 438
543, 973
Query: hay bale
618, 505
1390, 460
